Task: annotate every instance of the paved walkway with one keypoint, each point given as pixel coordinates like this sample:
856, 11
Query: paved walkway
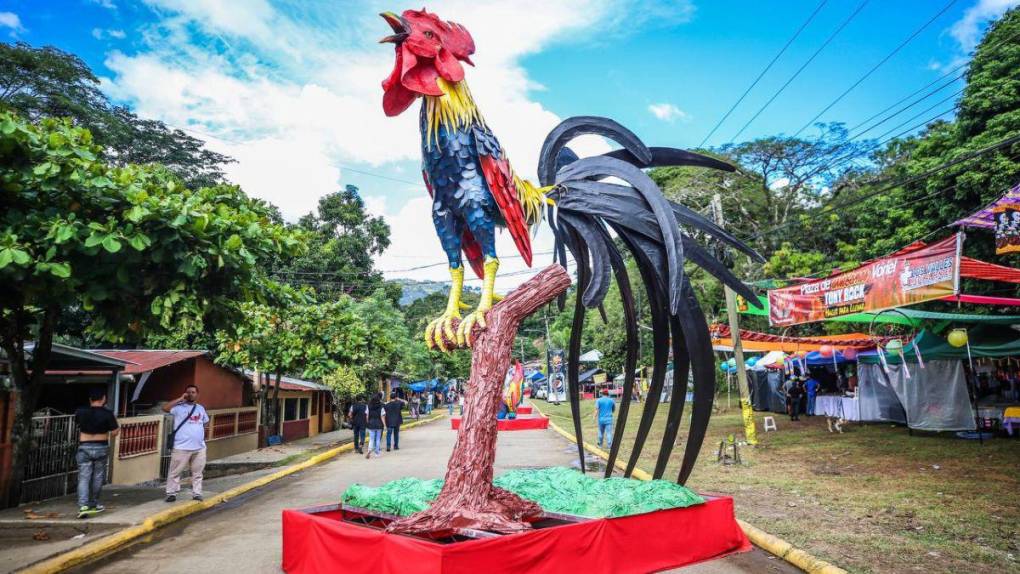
280, 452
36, 531
243, 535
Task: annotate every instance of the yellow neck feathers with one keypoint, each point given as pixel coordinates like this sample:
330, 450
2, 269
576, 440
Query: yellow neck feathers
454, 109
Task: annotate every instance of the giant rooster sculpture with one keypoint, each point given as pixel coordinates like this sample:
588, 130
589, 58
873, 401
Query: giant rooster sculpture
475, 190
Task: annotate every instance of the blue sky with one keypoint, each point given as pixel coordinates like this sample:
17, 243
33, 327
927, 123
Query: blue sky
291, 87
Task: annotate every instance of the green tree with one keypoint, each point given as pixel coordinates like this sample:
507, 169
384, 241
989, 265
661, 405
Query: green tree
304, 339
423, 362
344, 384
343, 240
48, 82
130, 245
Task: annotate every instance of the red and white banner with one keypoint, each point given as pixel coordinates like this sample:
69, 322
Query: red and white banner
928, 273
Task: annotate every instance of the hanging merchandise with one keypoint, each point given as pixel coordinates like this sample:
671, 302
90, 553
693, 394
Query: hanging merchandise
1001, 217
885, 363
917, 352
896, 347
957, 337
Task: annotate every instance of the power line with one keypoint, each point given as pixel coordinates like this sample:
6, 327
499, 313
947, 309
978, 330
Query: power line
910, 105
879, 142
876, 66
386, 177
447, 263
914, 93
801, 69
764, 71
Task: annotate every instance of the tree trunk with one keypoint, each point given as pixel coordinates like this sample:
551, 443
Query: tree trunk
28, 386
274, 417
468, 498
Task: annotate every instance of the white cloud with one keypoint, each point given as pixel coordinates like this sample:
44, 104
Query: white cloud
968, 30
100, 33
10, 20
669, 113
108, 4
292, 91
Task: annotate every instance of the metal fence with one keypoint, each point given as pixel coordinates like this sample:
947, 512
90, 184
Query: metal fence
51, 469
138, 438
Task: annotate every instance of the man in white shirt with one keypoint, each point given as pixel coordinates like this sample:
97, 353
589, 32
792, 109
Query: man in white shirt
189, 423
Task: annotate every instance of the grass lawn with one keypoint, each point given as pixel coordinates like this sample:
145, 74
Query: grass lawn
873, 499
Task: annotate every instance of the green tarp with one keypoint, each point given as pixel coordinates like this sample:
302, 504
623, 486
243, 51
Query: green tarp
913, 317
985, 341
556, 489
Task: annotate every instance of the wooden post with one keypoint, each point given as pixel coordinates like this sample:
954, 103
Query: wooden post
469, 499
750, 433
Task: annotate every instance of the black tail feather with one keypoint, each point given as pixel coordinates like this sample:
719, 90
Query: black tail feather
574, 348
630, 360
570, 128
670, 156
650, 228
678, 397
699, 345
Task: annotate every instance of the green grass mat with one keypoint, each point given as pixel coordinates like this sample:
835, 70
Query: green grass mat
555, 489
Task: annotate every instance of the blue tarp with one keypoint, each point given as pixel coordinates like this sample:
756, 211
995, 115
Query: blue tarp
536, 376
427, 385
815, 359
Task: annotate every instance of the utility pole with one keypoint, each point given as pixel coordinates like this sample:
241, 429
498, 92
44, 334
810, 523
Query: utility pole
750, 433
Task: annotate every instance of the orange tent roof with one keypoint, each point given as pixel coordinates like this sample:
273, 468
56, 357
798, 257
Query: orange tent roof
761, 342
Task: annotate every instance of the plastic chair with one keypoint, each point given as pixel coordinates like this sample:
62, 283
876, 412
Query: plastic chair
770, 424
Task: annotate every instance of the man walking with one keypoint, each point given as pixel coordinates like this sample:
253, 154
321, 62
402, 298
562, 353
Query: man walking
394, 418
794, 392
429, 401
604, 408
812, 394
415, 405
188, 436
358, 422
96, 424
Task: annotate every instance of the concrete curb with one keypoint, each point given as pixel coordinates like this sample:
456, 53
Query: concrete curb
771, 544
93, 550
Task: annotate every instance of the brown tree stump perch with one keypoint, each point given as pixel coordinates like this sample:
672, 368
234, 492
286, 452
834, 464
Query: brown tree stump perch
469, 499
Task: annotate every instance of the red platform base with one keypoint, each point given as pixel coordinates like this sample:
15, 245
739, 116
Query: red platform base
318, 540
524, 410
519, 423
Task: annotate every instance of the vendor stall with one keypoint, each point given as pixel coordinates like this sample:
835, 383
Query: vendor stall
846, 408
931, 390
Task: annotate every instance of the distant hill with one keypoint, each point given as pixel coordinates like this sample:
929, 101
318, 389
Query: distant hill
414, 290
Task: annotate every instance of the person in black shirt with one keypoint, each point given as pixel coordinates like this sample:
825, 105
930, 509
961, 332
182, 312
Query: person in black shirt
374, 412
394, 418
793, 395
96, 424
358, 422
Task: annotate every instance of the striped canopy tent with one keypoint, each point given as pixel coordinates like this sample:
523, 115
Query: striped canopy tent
754, 341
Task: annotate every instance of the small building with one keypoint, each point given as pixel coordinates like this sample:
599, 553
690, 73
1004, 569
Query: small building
51, 469
303, 408
153, 377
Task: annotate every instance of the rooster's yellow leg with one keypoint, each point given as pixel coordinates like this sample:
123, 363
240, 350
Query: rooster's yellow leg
444, 324
488, 296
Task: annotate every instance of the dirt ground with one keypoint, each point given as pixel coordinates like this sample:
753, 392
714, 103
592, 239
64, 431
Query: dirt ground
874, 499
